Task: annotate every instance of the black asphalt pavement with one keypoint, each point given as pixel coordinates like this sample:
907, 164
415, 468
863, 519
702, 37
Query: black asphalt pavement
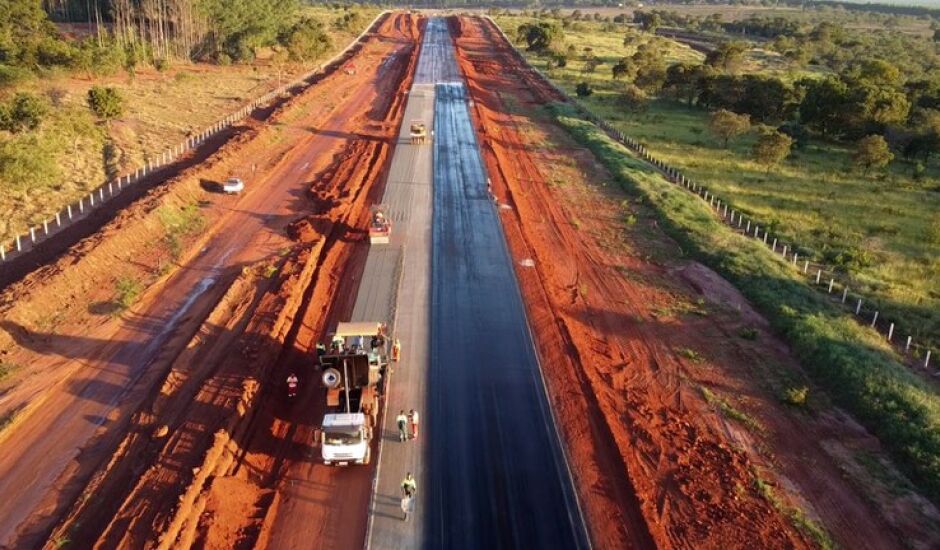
496, 475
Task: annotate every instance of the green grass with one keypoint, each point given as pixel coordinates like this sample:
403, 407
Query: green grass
729, 410
882, 233
797, 517
6, 369
127, 289
850, 362
180, 222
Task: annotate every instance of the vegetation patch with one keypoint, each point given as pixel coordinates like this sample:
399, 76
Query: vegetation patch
729, 410
798, 517
180, 222
852, 363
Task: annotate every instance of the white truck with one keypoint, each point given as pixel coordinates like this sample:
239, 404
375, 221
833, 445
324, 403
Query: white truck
353, 368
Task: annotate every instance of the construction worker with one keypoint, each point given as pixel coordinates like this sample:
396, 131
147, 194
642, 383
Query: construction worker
292, 385
402, 421
396, 350
413, 422
408, 485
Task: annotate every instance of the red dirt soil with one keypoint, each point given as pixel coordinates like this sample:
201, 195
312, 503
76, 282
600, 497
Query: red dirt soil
150, 473
631, 339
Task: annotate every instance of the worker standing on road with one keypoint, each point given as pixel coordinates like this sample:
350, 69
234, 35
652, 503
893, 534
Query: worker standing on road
402, 421
408, 485
292, 385
413, 421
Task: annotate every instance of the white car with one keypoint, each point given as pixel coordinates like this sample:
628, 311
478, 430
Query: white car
233, 186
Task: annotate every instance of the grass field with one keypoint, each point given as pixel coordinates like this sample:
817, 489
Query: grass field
851, 362
887, 227
161, 110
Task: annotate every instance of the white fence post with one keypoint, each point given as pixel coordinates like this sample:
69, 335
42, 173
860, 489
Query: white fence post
874, 320
845, 293
3, 253
907, 347
858, 307
32, 234
927, 360
45, 226
69, 209
831, 282
890, 331
19, 246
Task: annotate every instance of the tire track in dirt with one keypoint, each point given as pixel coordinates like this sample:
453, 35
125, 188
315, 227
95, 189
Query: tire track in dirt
690, 487
154, 483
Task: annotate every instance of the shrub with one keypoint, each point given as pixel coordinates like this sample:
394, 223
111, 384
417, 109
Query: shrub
10, 76
796, 396
24, 112
583, 89
106, 103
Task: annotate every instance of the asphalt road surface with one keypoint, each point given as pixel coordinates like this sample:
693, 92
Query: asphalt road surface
496, 474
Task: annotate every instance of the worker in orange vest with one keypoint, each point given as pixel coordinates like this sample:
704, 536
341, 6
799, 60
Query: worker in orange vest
396, 350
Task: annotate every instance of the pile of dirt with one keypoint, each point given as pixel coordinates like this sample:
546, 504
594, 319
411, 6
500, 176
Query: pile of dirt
674, 437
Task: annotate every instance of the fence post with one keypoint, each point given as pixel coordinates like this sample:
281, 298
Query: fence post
748, 230
101, 193
890, 331
806, 267
3, 253
91, 198
19, 246
845, 293
818, 276
796, 256
732, 215
858, 307
741, 221
927, 360
874, 320
832, 282
756, 231
784, 252
111, 188
907, 346
45, 226
81, 205
69, 209
32, 234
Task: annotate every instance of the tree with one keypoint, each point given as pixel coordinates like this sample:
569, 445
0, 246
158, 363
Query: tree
872, 152
727, 56
539, 36
771, 148
591, 63
827, 106
306, 41
684, 81
633, 98
649, 22
726, 125
583, 89
623, 68
106, 103
24, 112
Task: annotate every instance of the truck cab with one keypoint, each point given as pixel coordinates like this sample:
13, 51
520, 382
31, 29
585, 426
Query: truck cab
345, 439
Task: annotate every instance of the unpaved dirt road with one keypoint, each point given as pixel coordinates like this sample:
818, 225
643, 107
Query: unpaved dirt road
46, 457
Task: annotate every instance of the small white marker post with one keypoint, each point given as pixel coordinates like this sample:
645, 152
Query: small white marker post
818, 276
845, 293
874, 320
45, 227
69, 209
831, 282
81, 205
748, 230
890, 331
927, 360
32, 234
784, 252
756, 231
858, 306
765, 236
19, 245
58, 219
907, 346
101, 194
796, 256
3, 253
91, 197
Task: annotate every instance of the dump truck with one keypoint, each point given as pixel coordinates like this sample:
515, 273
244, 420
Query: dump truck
353, 367
380, 228
419, 132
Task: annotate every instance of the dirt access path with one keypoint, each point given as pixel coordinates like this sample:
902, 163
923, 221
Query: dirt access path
321, 156
672, 420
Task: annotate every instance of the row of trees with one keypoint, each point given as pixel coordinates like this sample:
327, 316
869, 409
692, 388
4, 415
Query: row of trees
127, 33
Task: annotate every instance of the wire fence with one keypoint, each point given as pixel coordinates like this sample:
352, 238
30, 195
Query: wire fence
819, 275
21, 244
